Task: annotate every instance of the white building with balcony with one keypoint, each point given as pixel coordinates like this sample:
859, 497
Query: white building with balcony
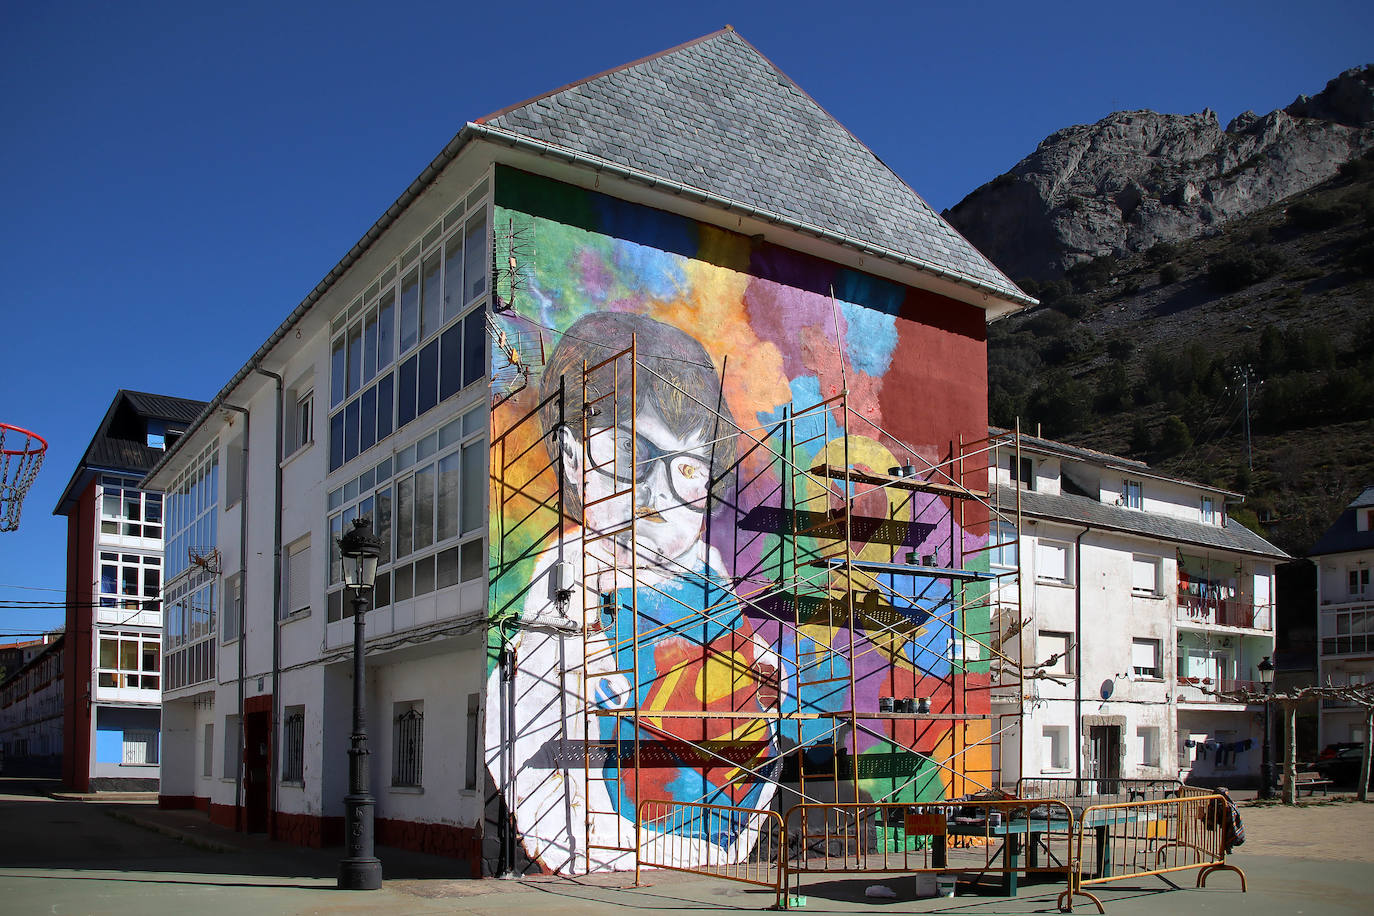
111, 720
1345, 615
1146, 599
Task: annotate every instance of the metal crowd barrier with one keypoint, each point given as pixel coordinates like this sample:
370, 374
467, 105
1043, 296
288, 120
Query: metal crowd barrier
1143, 838
736, 844
1081, 792
971, 838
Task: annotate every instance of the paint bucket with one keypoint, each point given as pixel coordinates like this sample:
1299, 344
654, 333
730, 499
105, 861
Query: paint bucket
884, 704
924, 705
945, 885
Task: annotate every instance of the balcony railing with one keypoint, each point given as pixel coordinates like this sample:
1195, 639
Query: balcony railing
1204, 689
1226, 612
1352, 644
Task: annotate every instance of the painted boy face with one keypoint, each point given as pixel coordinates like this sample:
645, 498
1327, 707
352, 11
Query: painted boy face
670, 476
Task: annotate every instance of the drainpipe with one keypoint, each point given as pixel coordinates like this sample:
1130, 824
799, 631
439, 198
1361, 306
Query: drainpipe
1078, 655
240, 821
275, 763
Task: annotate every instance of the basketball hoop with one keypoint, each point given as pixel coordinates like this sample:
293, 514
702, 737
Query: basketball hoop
204, 558
21, 455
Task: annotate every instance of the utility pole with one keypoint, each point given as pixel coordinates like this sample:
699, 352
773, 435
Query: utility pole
1243, 376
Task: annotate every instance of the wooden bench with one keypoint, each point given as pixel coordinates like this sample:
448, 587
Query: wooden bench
1311, 781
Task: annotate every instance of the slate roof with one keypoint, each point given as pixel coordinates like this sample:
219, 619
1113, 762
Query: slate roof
1342, 536
715, 115
1080, 510
110, 452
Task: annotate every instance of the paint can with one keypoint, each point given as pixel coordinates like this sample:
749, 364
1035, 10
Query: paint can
884, 704
924, 705
946, 884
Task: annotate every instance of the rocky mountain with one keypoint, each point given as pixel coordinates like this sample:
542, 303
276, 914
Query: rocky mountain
1139, 178
1242, 357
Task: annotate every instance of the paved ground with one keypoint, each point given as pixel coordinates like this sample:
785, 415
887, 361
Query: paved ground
70, 856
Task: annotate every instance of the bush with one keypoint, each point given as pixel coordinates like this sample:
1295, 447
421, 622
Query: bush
1241, 267
1091, 275
1174, 437
1314, 214
1120, 347
1072, 306
1362, 167
1160, 253
1170, 273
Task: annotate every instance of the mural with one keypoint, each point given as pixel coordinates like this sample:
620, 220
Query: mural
664, 581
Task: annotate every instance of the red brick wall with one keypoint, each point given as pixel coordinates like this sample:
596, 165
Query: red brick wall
77, 654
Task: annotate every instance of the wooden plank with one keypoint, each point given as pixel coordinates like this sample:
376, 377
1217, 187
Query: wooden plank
834, 472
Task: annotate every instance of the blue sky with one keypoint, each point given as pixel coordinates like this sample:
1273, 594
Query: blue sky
177, 176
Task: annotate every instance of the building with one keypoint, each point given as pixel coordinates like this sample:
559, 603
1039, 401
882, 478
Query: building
1345, 648
31, 707
621, 380
1139, 599
113, 656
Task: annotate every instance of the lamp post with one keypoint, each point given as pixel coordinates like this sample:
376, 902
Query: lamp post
1266, 673
359, 870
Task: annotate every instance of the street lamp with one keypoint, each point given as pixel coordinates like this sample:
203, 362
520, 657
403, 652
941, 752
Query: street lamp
1266, 673
360, 870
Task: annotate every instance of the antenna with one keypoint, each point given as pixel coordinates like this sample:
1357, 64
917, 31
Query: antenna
513, 264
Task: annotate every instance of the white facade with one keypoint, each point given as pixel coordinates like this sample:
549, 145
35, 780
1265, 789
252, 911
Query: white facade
1344, 557
1138, 598
257, 714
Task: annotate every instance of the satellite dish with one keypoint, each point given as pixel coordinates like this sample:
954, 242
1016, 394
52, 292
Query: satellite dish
1106, 689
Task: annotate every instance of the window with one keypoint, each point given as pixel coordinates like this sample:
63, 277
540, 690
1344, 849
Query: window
425, 316
1056, 646
207, 754
1004, 550
1022, 474
1145, 658
126, 659
192, 592
127, 511
232, 627
140, 747
233, 740
474, 739
1055, 748
293, 745
297, 577
300, 418
1147, 742
1209, 511
1052, 563
1132, 496
1358, 581
428, 507
1144, 575
235, 460
408, 746
130, 581
156, 434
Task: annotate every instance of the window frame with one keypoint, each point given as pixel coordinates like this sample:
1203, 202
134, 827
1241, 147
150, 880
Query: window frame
1151, 673
397, 360
408, 744
293, 746
296, 565
1064, 666
1155, 590
1133, 494
1064, 547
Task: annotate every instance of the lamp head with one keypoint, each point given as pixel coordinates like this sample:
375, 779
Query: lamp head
1266, 671
360, 549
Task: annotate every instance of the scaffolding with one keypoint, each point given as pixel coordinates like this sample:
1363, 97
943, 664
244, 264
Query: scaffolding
864, 647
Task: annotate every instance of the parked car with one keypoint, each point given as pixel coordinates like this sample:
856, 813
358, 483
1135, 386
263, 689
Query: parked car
1340, 763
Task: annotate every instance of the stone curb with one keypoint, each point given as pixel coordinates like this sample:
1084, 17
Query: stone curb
189, 839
